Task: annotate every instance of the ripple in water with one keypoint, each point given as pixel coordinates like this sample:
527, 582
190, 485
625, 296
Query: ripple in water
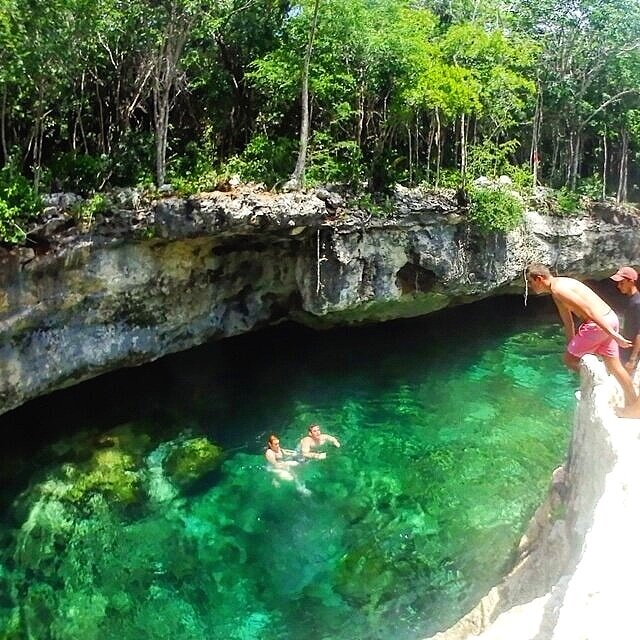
448, 440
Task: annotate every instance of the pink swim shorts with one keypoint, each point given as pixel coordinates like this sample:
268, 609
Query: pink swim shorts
590, 338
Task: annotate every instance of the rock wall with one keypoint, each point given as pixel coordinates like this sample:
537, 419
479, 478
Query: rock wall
579, 560
148, 282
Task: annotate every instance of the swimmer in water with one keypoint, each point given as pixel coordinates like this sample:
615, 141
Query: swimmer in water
315, 438
275, 456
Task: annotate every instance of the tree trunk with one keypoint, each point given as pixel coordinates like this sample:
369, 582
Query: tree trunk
431, 136
166, 81
102, 137
463, 150
555, 153
605, 160
534, 156
410, 154
3, 123
360, 123
575, 140
161, 119
622, 176
38, 139
297, 177
438, 148
417, 147
77, 123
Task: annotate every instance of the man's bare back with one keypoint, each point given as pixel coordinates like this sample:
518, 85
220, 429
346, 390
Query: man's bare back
578, 298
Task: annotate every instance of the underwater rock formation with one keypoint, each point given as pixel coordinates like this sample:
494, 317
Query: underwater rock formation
68, 519
189, 461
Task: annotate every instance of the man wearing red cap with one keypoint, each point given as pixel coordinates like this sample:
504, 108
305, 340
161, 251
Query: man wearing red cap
626, 279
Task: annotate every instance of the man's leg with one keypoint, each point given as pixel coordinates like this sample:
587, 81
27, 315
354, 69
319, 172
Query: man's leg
571, 361
614, 366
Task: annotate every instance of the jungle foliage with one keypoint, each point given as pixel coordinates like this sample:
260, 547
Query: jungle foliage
102, 93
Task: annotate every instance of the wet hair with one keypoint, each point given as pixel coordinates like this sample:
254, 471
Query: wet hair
271, 438
536, 269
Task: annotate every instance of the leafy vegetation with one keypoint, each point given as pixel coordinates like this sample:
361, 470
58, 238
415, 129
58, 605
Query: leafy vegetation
85, 211
495, 209
105, 93
19, 201
567, 202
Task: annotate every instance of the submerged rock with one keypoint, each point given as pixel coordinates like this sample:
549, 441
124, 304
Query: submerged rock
191, 460
113, 473
46, 531
365, 576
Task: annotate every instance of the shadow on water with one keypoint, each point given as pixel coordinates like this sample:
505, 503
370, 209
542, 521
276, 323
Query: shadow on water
232, 377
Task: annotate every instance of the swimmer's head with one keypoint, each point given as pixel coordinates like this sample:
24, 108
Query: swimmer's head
537, 277
314, 430
273, 442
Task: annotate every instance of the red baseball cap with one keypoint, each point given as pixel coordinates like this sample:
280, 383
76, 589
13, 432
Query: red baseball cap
625, 273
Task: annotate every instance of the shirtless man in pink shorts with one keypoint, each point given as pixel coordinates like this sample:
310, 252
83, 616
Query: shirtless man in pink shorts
599, 332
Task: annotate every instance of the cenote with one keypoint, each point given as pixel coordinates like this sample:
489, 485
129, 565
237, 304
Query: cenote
450, 427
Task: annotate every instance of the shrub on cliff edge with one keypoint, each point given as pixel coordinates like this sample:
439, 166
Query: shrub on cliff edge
19, 201
494, 209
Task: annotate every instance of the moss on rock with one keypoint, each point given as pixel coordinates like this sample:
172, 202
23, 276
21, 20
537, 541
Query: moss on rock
191, 460
112, 472
365, 576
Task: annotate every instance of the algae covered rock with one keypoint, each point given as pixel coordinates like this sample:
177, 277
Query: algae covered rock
80, 447
111, 472
84, 615
191, 460
11, 622
48, 526
365, 576
109, 463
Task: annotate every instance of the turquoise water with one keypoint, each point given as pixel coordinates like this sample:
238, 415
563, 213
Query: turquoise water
449, 433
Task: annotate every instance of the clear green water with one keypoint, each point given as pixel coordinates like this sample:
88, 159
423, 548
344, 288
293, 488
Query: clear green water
449, 433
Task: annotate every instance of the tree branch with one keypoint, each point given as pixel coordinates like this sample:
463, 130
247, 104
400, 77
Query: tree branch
605, 104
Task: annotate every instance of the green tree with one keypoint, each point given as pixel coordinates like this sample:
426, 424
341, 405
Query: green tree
584, 44
297, 177
9, 64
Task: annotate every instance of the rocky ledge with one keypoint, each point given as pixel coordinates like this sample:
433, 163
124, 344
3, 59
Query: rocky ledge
149, 278
579, 560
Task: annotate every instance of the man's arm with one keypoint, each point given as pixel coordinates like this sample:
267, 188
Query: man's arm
271, 457
632, 362
333, 441
565, 316
635, 349
325, 437
632, 329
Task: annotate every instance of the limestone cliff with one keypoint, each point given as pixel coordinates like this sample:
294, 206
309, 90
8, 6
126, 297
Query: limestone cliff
153, 279
579, 560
